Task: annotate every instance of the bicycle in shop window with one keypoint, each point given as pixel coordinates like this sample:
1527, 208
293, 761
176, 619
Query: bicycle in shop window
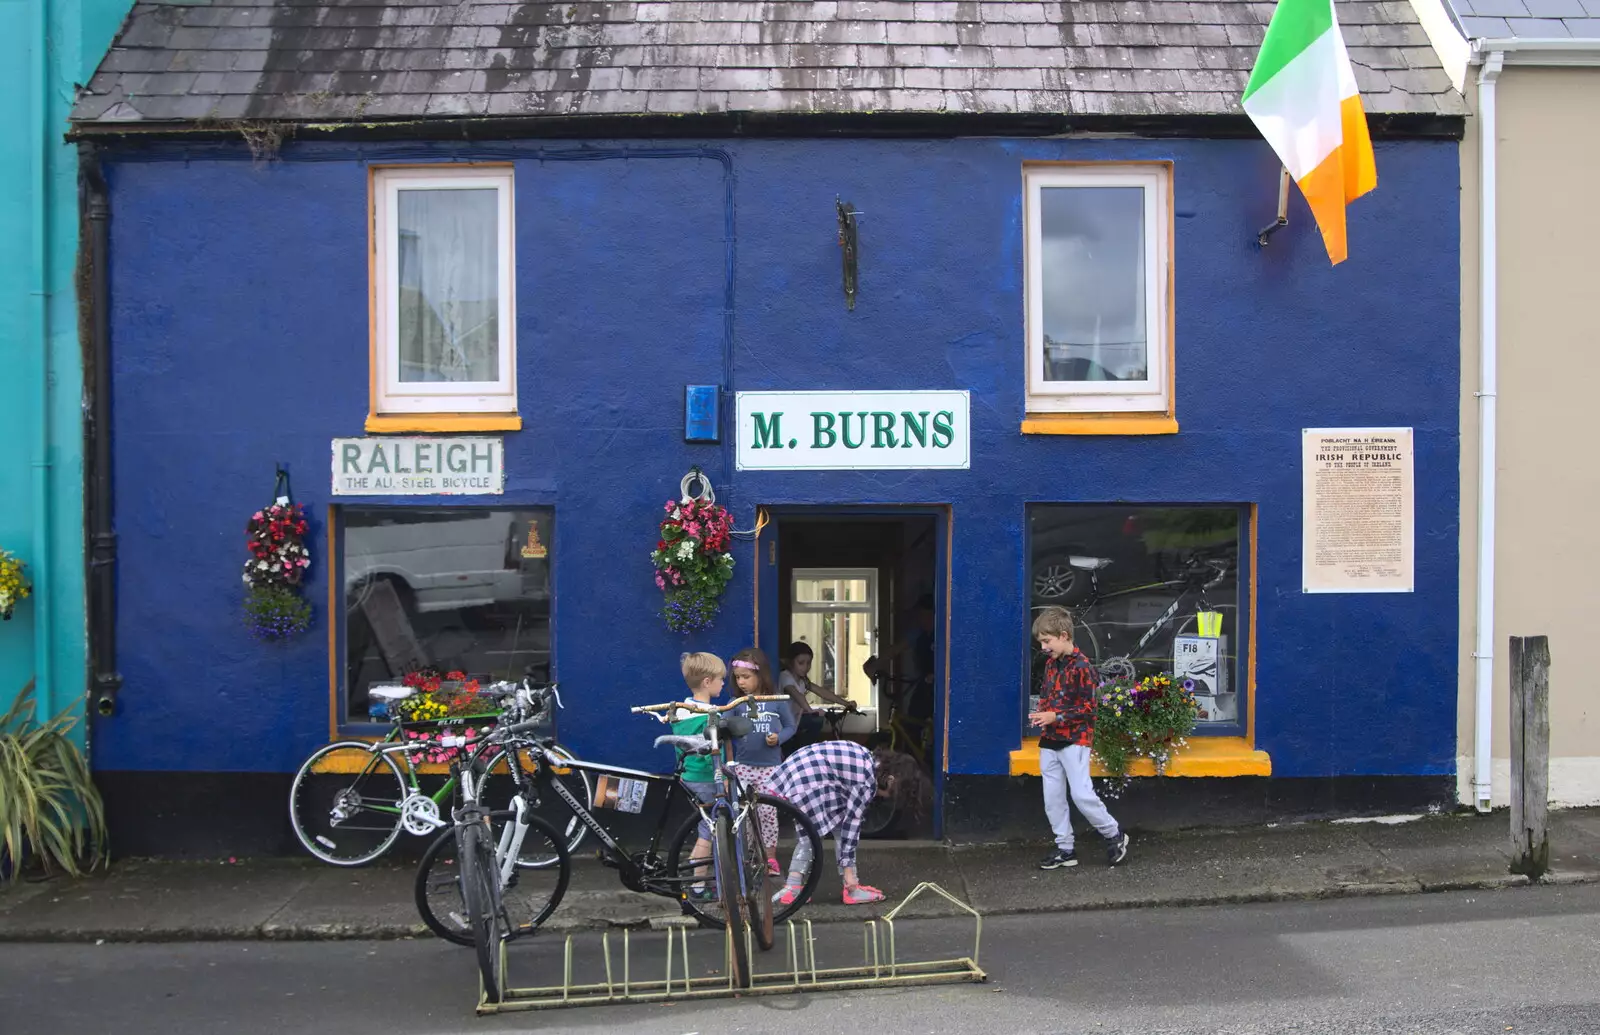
731, 883
1101, 634
351, 800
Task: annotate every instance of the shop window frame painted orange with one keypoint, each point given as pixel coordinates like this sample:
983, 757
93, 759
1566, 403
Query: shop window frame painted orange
1205, 756
1110, 421
381, 418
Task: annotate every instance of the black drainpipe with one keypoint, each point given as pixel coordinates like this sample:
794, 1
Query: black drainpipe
94, 301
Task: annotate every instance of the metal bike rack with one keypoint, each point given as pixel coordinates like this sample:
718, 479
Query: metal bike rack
880, 967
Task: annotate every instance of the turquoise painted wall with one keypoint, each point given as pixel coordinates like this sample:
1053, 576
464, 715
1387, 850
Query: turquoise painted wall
78, 33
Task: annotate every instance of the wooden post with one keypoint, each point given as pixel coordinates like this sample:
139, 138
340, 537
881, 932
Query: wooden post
1530, 755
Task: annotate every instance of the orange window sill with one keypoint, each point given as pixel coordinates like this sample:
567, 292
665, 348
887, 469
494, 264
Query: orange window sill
1205, 756
349, 763
436, 422
1100, 424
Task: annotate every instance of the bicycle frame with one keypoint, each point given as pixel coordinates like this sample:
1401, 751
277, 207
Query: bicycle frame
1197, 585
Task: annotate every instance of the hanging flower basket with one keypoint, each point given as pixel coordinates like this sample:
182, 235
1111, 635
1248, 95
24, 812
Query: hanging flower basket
1150, 718
14, 584
277, 568
693, 565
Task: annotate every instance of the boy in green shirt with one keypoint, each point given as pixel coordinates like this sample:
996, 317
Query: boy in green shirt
704, 673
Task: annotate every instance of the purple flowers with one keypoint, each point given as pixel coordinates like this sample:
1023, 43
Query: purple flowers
276, 613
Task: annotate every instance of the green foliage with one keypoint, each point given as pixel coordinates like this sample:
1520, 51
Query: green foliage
49, 807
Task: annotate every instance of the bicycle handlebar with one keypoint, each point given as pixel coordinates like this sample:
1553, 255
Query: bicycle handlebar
705, 709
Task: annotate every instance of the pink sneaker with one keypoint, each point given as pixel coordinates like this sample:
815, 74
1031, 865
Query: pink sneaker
787, 896
773, 869
861, 894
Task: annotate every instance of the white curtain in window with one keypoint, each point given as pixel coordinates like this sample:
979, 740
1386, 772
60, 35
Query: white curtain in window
449, 285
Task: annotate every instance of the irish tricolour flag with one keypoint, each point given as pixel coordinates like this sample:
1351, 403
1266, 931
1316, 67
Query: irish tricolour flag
1303, 98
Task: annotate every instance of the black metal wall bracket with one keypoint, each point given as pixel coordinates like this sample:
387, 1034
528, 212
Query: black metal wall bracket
847, 245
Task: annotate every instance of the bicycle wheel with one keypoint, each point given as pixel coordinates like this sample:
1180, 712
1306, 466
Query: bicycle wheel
480, 901
879, 817
753, 866
344, 803
528, 897
731, 895
794, 830
498, 789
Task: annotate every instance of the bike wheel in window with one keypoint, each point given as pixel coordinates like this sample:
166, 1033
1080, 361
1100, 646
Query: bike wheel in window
481, 904
753, 865
344, 803
799, 852
529, 897
879, 817
498, 787
731, 894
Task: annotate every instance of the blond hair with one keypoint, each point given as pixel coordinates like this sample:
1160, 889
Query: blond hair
700, 666
1053, 621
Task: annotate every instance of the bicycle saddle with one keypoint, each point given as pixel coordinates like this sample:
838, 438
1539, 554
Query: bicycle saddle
692, 745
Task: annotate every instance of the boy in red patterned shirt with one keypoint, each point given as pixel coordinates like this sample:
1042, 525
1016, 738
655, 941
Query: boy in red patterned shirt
1065, 721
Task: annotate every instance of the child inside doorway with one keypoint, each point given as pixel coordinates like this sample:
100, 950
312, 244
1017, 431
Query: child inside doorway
795, 681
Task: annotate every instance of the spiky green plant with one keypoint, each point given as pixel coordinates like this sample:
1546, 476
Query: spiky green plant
49, 807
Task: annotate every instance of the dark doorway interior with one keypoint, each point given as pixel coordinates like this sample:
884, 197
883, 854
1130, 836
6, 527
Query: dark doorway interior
855, 588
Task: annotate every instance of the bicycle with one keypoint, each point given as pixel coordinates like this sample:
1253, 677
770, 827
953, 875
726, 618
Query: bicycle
482, 901
1198, 576
737, 864
350, 800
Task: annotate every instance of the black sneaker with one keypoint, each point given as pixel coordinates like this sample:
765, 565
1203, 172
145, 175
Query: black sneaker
1117, 850
1058, 859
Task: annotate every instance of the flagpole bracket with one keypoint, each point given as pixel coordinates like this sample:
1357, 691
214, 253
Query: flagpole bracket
1282, 221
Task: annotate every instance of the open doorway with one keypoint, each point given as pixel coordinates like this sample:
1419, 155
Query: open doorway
862, 591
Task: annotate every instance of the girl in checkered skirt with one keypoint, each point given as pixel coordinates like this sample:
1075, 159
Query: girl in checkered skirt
832, 782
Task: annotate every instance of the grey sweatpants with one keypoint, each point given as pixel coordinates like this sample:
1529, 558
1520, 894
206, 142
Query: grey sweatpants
1067, 770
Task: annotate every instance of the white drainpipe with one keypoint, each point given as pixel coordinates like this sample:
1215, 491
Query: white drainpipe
1488, 380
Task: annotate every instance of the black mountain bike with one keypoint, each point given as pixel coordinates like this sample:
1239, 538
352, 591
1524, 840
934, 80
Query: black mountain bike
731, 881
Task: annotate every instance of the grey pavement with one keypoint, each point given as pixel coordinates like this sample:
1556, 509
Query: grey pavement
301, 899
1521, 960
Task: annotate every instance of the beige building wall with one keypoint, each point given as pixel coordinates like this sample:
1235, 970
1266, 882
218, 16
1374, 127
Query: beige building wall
1547, 550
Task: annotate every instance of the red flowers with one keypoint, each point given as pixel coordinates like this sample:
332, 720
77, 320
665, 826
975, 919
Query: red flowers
278, 557
692, 562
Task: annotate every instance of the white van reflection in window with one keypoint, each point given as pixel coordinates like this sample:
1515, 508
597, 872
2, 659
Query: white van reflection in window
443, 558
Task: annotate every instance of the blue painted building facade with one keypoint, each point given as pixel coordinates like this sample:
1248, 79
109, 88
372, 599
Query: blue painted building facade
239, 297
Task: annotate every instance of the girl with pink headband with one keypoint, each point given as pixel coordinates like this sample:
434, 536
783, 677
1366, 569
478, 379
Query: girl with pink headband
757, 754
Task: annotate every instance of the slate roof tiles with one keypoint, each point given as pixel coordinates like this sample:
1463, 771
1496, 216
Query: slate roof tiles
330, 60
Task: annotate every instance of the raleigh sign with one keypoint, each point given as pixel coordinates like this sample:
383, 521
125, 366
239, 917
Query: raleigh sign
852, 431
419, 466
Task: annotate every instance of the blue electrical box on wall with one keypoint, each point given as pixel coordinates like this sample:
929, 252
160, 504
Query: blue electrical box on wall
701, 418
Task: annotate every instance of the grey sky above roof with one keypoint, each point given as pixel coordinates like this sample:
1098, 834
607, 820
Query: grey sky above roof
331, 60
1528, 19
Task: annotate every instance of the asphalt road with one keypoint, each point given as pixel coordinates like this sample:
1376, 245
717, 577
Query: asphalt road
1524, 961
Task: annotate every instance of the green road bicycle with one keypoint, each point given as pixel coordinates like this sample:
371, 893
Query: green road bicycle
351, 800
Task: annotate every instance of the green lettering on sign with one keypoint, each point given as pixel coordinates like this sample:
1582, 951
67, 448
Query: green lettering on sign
451, 458
844, 424
378, 461
883, 431
768, 433
943, 428
916, 427
822, 424
350, 458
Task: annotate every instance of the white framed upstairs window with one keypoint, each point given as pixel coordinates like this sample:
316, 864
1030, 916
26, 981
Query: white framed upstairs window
443, 299
1098, 294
